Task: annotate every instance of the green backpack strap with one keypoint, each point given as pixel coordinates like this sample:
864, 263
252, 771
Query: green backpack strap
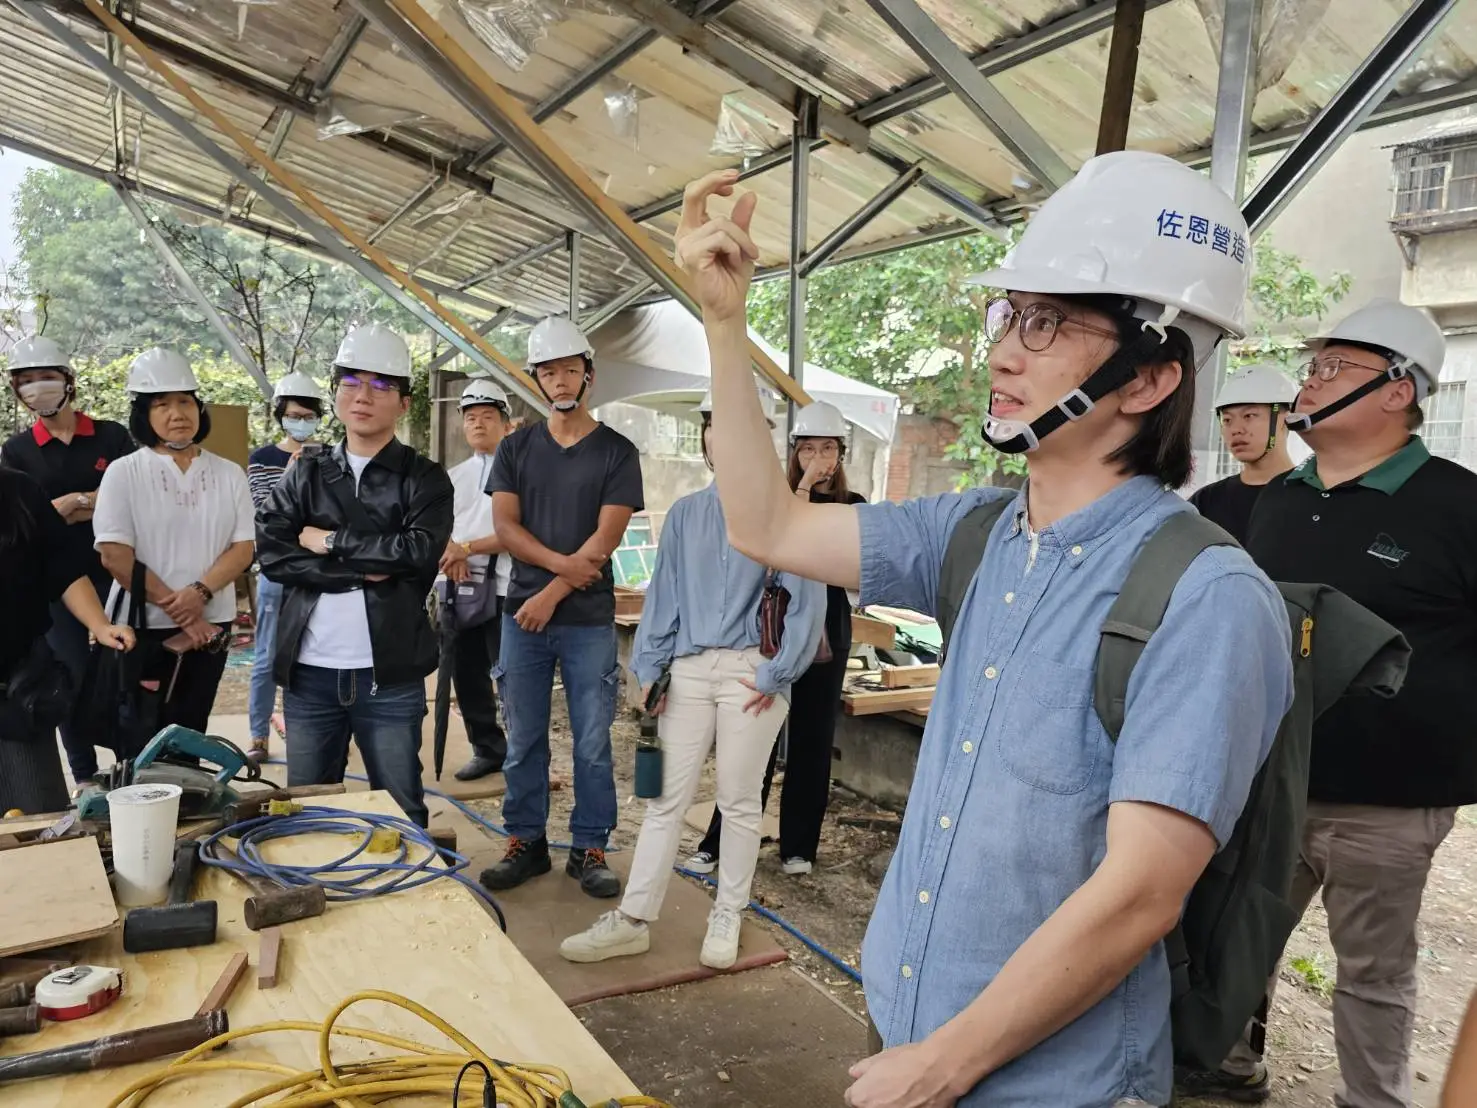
1141, 604
962, 559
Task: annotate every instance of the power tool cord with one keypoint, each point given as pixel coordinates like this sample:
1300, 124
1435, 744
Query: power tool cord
354, 875
417, 1070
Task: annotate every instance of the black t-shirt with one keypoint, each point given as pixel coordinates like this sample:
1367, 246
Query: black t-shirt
560, 493
1228, 503
33, 571
1400, 540
61, 468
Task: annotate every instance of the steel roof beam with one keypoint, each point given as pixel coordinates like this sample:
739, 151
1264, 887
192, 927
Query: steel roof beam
1350, 106
615, 305
485, 328
942, 55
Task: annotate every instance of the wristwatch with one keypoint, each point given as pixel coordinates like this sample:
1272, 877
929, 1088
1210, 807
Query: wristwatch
83, 500
466, 548
328, 542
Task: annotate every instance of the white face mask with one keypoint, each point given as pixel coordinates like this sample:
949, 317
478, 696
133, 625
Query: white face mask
300, 430
45, 398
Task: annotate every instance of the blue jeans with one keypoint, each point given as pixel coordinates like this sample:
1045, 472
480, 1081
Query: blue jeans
324, 706
525, 678
263, 699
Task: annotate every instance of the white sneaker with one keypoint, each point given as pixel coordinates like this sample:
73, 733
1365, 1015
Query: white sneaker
610, 936
702, 862
720, 946
795, 867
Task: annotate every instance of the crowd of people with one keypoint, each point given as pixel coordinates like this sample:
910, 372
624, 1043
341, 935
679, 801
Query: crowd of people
1017, 951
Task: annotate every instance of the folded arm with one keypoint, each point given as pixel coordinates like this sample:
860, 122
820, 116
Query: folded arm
283, 559
416, 547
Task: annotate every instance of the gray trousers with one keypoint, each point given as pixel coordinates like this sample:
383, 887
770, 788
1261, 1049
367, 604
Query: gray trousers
1371, 863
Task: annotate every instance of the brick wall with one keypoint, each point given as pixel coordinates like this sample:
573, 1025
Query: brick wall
918, 466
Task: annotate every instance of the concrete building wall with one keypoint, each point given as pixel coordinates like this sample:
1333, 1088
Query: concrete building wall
1444, 276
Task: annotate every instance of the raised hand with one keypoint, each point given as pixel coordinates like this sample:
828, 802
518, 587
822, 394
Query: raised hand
717, 250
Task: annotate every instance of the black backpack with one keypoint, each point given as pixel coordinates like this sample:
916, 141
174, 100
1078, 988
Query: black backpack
1237, 918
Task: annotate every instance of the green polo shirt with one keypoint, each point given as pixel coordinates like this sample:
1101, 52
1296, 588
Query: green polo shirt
1401, 540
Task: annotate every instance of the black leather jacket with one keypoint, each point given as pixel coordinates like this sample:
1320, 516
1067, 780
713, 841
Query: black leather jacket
408, 502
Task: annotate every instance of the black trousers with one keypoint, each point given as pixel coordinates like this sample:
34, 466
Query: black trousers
476, 653
815, 700
68, 641
195, 681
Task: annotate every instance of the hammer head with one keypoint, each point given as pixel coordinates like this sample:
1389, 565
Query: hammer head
272, 907
170, 927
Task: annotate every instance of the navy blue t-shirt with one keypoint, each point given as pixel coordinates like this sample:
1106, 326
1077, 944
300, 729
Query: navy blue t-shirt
560, 493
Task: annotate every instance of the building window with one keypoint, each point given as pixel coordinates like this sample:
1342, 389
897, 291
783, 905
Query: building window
1442, 430
680, 436
1226, 464
1433, 182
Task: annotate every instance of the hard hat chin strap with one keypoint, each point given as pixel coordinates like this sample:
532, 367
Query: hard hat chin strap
1307, 421
566, 405
1013, 436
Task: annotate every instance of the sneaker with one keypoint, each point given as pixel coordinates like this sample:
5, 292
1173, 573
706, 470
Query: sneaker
796, 867
479, 766
703, 862
1228, 1086
720, 945
525, 858
594, 875
611, 936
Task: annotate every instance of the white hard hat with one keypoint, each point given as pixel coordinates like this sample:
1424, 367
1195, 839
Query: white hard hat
482, 391
818, 420
374, 348
298, 385
1409, 334
161, 370
1256, 384
556, 337
1142, 226
38, 353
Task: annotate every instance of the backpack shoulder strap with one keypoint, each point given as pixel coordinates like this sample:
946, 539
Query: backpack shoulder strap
339, 480
961, 559
1141, 604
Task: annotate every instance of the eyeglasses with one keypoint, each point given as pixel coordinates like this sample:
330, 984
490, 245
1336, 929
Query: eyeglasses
353, 382
1039, 323
828, 448
1328, 368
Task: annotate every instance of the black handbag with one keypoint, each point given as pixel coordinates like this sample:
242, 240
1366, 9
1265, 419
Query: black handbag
114, 709
36, 696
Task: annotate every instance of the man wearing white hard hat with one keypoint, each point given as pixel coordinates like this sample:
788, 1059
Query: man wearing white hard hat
563, 491
297, 406
1250, 407
353, 535
66, 452
476, 569
1014, 955
1373, 514
174, 521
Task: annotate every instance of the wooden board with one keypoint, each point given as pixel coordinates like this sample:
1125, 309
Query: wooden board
53, 893
873, 632
857, 702
909, 677
435, 945
230, 435
629, 602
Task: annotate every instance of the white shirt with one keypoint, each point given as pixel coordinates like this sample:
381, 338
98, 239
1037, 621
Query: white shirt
473, 508
177, 522
337, 635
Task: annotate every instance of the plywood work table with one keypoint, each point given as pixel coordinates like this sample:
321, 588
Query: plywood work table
435, 945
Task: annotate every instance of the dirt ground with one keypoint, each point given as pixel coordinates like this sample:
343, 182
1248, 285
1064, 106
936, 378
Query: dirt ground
831, 906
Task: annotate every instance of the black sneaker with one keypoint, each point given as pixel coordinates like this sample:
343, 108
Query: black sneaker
594, 875
523, 860
479, 766
1255, 1089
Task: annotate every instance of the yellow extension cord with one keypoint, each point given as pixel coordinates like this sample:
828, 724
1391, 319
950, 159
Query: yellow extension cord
364, 1084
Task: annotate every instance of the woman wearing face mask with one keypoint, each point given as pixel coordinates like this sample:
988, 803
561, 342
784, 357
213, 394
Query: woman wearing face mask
297, 406
818, 445
66, 453
185, 514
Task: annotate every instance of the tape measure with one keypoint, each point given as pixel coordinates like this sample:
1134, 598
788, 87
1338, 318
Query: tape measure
79, 991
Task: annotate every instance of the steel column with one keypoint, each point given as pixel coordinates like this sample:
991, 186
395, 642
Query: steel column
197, 294
413, 297
576, 256
942, 55
857, 220
805, 123
1354, 102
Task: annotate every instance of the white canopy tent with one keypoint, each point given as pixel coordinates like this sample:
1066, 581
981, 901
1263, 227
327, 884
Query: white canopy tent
657, 356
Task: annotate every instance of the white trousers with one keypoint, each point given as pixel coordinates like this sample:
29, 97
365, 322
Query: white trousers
706, 701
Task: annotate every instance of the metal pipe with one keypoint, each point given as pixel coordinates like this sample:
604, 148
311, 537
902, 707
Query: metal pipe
805, 130
858, 219
419, 304
196, 293
1354, 102
518, 261
942, 55
576, 253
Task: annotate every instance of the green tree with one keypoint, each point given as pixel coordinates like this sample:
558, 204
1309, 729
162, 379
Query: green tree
909, 323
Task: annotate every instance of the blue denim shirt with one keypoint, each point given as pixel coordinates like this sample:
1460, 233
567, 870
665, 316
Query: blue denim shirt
704, 595
1008, 812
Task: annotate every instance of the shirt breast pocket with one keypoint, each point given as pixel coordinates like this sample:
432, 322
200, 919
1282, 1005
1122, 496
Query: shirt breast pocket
1050, 738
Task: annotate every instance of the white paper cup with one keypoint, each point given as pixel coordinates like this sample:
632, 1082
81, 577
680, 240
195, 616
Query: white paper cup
144, 819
